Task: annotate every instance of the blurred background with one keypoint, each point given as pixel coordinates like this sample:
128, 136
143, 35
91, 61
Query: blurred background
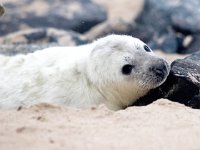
172, 26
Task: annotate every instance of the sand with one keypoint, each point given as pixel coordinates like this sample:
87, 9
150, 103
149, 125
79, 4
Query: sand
161, 125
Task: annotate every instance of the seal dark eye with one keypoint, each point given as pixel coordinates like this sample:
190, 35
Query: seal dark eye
147, 48
126, 69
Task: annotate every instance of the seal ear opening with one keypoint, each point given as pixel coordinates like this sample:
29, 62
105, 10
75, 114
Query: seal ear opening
127, 69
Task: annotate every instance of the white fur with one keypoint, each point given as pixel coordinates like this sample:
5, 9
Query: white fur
77, 76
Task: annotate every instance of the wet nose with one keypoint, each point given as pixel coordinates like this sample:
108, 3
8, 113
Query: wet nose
160, 69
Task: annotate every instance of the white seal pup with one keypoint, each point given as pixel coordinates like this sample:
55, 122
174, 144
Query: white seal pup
115, 70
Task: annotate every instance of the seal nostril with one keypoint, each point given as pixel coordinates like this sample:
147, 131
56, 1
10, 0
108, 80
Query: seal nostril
163, 66
159, 72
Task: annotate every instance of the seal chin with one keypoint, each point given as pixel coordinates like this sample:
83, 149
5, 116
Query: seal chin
153, 82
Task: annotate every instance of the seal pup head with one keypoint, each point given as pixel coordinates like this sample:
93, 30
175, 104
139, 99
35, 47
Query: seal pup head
124, 68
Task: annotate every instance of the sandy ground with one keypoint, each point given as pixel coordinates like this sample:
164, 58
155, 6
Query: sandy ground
161, 125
